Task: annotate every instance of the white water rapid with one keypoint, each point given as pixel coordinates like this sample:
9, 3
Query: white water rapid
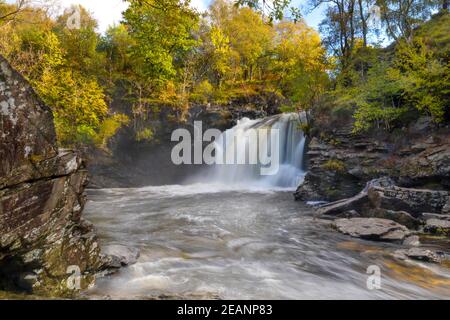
277, 141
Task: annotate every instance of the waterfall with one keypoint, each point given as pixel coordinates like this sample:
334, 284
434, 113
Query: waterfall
278, 133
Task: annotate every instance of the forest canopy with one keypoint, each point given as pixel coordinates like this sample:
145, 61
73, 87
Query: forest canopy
165, 54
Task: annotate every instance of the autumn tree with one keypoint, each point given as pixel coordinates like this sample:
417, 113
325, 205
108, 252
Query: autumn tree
300, 63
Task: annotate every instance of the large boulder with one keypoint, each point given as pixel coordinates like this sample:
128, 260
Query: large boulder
372, 229
43, 238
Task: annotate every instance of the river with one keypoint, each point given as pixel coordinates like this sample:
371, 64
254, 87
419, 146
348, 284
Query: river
211, 241
231, 233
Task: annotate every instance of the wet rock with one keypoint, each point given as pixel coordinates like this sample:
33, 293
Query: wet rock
438, 227
358, 202
430, 162
372, 229
412, 241
42, 233
118, 256
446, 208
402, 217
419, 254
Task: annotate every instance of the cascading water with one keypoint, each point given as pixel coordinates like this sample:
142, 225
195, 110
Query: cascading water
236, 230
279, 133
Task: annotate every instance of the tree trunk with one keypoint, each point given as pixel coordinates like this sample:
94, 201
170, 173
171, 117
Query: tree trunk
363, 22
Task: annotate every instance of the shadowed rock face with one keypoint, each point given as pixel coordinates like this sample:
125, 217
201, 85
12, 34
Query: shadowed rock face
340, 162
41, 198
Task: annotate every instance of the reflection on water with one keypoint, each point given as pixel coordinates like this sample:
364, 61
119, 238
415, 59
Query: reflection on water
205, 241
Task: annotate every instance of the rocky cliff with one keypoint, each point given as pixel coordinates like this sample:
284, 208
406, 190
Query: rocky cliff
132, 163
341, 162
43, 238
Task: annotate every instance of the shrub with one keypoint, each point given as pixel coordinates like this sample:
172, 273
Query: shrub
334, 165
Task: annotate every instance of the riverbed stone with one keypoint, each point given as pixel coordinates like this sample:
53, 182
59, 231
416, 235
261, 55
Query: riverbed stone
372, 229
120, 256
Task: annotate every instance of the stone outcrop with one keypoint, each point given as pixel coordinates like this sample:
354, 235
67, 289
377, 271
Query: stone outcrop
43, 238
381, 196
414, 201
341, 162
438, 226
409, 207
357, 202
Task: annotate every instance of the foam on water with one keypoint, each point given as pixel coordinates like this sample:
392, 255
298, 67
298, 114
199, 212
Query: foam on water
282, 132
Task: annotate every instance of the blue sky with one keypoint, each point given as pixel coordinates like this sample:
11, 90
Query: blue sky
108, 12
313, 19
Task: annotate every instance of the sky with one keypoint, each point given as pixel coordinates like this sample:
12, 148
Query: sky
108, 12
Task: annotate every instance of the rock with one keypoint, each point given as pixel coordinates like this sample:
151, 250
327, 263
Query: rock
429, 163
42, 197
355, 203
419, 254
382, 199
358, 202
418, 158
413, 201
402, 217
427, 216
438, 226
412, 241
372, 229
120, 256
446, 208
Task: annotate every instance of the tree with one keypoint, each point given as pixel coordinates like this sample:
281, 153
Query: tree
9, 12
221, 53
250, 36
401, 17
300, 63
276, 10
162, 35
80, 43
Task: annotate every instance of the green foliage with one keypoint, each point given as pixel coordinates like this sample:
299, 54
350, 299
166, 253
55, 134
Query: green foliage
108, 128
78, 105
203, 92
145, 134
162, 32
334, 165
413, 80
165, 55
64, 67
425, 79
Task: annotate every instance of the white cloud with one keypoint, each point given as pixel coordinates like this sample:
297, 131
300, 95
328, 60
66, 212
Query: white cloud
107, 12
